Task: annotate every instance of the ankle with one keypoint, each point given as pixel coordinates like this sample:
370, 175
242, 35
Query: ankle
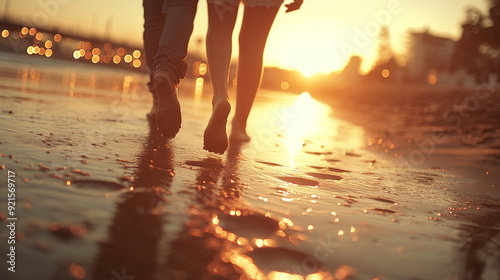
163, 74
220, 100
238, 124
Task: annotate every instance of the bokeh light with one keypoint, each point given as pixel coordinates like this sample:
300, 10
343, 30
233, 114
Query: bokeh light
127, 58
117, 59
107, 46
386, 73
5, 33
32, 31
432, 78
120, 51
48, 44
87, 46
137, 63
136, 54
202, 69
57, 37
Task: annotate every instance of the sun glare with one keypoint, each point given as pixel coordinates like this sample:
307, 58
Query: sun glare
304, 47
312, 57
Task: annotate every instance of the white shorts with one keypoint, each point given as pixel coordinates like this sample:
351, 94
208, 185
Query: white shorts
250, 3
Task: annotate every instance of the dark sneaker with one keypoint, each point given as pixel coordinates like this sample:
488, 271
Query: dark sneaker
168, 113
152, 114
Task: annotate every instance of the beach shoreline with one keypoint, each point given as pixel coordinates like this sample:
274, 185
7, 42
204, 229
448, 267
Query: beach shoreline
307, 196
447, 128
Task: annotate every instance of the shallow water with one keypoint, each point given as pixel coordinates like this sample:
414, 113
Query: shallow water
101, 196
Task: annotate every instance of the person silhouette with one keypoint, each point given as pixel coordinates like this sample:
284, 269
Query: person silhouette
258, 18
168, 25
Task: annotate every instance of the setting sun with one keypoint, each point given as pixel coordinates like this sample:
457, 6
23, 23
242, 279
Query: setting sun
310, 56
304, 47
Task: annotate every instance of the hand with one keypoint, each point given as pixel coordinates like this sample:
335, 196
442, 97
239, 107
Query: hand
295, 5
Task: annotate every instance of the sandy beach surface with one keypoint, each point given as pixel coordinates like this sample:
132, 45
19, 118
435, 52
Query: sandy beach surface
325, 190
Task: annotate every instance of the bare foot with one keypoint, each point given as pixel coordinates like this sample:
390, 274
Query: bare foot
168, 114
238, 134
215, 136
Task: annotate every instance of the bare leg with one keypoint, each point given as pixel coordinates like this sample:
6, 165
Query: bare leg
257, 22
221, 22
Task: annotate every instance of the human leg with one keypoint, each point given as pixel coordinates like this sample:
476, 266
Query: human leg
169, 63
257, 22
154, 20
172, 50
221, 20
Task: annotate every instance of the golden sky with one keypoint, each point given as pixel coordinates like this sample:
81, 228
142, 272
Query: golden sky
320, 37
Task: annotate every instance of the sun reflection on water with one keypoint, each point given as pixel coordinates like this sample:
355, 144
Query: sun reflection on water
303, 120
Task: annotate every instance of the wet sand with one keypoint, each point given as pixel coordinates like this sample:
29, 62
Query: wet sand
99, 195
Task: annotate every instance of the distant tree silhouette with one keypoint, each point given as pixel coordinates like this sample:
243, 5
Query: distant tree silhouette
478, 49
384, 52
385, 58
492, 33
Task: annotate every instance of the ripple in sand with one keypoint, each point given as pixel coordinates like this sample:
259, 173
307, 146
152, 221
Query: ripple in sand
97, 184
270, 163
209, 164
331, 160
351, 154
299, 181
318, 153
324, 176
330, 169
380, 210
382, 199
337, 170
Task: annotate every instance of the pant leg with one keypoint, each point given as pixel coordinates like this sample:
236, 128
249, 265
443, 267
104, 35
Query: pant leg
179, 17
154, 21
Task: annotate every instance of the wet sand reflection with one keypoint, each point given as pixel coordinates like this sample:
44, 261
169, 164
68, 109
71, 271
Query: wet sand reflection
132, 245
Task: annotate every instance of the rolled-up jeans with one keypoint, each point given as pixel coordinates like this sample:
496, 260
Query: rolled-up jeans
168, 25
